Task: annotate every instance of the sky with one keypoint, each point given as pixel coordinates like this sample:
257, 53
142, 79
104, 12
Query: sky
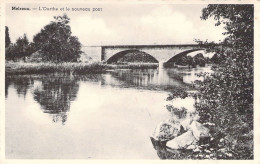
121, 24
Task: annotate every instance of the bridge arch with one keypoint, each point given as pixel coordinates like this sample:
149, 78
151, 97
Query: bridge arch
115, 57
184, 53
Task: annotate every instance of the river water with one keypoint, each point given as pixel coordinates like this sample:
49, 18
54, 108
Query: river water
103, 116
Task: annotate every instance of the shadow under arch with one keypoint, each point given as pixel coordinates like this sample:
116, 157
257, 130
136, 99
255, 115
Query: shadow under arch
184, 53
121, 54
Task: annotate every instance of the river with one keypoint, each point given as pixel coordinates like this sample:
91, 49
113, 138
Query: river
100, 116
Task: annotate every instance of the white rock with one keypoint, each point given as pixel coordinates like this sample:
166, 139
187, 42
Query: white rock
186, 123
190, 117
198, 130
182, 141
193, 147
167, 130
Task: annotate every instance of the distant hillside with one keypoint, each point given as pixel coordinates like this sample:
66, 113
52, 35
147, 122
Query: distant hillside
93, 52
85, 58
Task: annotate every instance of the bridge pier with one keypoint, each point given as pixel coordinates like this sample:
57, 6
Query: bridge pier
161, 64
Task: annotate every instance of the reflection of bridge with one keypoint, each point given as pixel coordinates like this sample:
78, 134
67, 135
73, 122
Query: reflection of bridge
162, 53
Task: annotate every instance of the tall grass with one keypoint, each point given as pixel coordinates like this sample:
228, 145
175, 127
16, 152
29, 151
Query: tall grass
68, 68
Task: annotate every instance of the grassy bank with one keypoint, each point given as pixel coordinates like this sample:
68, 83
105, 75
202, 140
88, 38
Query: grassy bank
68, 68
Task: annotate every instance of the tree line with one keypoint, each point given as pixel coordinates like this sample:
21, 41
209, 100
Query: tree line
54, 43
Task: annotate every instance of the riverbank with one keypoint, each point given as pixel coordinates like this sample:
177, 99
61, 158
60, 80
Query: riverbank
21, 68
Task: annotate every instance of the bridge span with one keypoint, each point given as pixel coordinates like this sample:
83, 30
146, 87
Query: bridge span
162, 53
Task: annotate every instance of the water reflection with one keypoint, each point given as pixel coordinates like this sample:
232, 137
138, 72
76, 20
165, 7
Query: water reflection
55, 96
55, 93
21, 84
101, 112
151, 79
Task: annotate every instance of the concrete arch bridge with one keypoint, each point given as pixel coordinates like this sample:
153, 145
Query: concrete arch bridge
161, 53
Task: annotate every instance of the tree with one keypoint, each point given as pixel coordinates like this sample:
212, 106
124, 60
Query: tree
22, 46
55, 42
227, 94
10, 52
8, 46
7, 37
199, 59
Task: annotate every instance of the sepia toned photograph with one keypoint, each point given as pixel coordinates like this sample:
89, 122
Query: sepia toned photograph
129, 81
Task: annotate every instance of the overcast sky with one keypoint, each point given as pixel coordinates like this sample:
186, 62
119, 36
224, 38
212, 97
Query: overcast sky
120, 24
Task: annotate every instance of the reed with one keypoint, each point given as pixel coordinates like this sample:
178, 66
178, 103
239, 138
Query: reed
68, 68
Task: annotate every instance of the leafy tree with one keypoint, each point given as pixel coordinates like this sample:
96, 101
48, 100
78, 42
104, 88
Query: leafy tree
55, 42
8, 46
21, 49
199, 59
10, 52
227, 95
22, 46
7, 37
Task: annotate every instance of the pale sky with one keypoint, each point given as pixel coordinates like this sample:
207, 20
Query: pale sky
121, 24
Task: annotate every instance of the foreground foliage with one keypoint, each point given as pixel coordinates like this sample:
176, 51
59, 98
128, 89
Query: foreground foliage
226, 96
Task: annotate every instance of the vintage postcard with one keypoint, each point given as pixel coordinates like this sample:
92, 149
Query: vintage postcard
124, 80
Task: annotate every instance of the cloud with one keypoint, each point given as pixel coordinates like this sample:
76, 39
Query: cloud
27, 24
209, 31
167, 26
91, 31
161, 24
